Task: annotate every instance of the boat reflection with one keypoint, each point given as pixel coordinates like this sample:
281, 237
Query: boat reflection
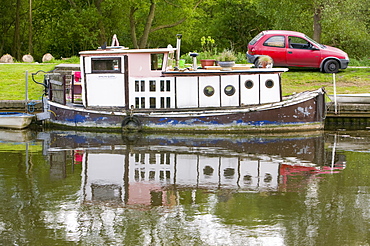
152, 169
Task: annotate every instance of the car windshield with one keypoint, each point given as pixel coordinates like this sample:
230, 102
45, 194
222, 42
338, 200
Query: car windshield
315, 43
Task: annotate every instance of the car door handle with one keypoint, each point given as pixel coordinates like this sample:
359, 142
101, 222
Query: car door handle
290, 52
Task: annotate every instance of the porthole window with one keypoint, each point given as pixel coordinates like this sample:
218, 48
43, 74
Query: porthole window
209, 91
269, 83
249, 84
229, 90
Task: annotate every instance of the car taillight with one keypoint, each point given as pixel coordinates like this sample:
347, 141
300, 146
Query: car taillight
252, 50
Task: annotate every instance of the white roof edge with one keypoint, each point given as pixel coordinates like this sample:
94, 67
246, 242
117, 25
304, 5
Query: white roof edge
117, 51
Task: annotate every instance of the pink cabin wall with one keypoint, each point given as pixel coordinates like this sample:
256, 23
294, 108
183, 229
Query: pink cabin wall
139, 66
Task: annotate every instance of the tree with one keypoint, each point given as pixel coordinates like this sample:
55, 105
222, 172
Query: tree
17, 33
233, 23
146, 17
7, 13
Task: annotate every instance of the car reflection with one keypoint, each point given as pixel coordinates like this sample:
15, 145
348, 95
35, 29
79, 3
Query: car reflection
152, 169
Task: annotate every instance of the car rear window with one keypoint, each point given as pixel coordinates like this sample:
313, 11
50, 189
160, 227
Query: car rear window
256, 38
275, 41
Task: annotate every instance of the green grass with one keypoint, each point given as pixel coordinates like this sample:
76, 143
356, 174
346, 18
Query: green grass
13, 80
350, 80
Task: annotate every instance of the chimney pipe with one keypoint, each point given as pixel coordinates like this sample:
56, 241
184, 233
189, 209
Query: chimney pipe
178, 36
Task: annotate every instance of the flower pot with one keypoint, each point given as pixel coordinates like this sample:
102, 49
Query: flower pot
207, 62
226, 65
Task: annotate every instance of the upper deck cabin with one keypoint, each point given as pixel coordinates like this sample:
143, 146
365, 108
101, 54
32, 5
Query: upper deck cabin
138, 63
147, 79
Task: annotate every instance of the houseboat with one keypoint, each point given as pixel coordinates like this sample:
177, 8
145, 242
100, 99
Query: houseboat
146, 89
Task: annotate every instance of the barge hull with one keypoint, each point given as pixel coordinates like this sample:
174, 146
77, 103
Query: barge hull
305, 112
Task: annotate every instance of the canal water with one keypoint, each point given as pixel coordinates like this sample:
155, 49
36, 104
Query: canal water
83, 188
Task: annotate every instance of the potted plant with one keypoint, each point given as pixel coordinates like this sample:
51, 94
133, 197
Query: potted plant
208, 51
226, 60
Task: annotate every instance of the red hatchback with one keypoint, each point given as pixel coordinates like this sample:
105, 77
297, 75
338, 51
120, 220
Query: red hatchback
295, 49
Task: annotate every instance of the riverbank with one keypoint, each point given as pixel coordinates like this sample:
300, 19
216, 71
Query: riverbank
350, 80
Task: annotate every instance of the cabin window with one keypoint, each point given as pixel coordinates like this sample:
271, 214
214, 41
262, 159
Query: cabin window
165, 85
152, 85
156, 61
152, 102
229, 90
166, 102
168, 85
249, 84
162, 85
106, 65
139, 102
136, 85
142, 85
269, 83
209, 91
139, 85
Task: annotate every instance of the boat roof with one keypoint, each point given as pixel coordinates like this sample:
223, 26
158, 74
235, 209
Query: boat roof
124, 50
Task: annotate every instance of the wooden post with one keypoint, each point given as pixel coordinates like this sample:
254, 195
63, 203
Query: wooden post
335, 95
26, 93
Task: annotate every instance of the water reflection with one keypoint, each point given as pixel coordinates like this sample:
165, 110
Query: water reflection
109, 189
151, 169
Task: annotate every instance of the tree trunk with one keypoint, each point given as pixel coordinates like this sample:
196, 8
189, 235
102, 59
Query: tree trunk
30, 31
148, 24
317, 23
102, 33
133, 27
17, 43
144, 38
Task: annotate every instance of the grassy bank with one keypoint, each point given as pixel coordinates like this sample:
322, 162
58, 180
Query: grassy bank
13, 77
350, 80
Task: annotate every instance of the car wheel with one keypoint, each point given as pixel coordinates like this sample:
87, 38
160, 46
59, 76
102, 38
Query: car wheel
331, 66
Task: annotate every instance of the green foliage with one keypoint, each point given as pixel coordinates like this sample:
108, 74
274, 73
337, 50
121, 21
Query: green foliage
208, 44
63, 28
361, 62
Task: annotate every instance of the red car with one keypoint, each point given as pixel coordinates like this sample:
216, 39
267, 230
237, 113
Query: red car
295, 49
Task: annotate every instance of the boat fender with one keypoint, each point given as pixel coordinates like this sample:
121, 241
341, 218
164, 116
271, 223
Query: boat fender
131, 123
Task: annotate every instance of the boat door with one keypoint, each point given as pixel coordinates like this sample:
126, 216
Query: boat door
105, 81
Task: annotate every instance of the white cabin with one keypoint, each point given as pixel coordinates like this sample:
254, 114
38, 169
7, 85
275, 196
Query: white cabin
145, 79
